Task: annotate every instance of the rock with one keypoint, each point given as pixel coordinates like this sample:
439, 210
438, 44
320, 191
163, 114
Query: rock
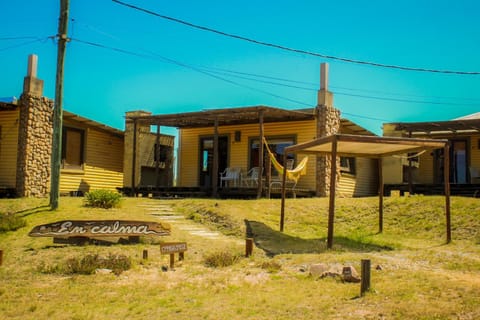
379, 267
317, 270
349, 274
103, 271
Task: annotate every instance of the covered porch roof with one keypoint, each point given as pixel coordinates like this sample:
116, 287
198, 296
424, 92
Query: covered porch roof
366, 146
462, 125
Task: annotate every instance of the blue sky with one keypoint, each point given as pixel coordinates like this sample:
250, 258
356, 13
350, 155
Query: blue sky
160, 73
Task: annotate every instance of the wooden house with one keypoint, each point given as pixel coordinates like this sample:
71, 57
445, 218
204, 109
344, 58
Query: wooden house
92, 153
423, 173
211, 141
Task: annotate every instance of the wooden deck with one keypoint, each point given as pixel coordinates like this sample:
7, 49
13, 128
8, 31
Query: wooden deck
466, 190
198, 192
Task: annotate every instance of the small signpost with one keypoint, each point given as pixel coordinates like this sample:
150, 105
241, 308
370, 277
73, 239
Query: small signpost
82, 230
172, 248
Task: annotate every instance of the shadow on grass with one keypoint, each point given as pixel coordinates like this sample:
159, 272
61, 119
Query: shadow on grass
26, 212
275, 242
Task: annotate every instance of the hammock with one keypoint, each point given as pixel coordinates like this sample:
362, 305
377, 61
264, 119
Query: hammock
293, 174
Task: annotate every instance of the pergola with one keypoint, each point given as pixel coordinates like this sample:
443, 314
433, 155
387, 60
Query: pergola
370, 147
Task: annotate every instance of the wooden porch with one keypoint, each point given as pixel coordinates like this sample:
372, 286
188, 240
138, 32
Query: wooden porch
456, 189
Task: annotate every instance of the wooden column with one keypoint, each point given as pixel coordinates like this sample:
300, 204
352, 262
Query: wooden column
446, 174
260, 156
331, 204
215, 160
284, 182
157, 158
380, 195
134, 156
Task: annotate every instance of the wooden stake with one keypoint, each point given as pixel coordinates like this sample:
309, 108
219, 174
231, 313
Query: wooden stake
248, 247
172, 260
145, 254
1, 257
365, 282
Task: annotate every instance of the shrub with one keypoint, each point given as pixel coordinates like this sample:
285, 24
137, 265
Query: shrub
10, 222
221, 259
88, 264
102, 199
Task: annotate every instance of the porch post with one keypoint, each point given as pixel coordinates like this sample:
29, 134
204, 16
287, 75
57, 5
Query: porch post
446, 174
380, 195
260, 156
157, 158
134, 156
331, 204
215, 160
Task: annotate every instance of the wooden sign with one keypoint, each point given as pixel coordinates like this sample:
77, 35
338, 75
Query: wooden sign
173, 247
100, 228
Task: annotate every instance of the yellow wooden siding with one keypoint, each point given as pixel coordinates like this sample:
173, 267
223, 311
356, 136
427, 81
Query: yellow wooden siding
239, 153
424, 172
475, 152
103, 167
363, 183
8, 148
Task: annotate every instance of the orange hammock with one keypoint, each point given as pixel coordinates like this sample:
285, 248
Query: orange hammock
293, 174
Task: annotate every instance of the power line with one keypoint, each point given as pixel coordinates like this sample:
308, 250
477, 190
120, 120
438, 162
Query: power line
24, 44
281, 47
192, 68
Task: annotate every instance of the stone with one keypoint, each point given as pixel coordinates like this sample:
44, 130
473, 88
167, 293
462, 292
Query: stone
349, 274
316, 270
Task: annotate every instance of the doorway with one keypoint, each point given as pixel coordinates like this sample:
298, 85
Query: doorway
206, 159
458, 162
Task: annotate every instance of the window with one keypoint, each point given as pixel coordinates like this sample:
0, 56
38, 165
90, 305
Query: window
72, 148
164, 151
347, 165
276, 145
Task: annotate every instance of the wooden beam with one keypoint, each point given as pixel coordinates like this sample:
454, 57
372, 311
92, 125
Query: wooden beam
284, 183
215, 172
446, 173
134, 156
380, 195
157, 157
331, 204
260, 151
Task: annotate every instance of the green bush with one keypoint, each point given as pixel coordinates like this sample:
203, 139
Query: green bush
10, 222
221, 259
102, 199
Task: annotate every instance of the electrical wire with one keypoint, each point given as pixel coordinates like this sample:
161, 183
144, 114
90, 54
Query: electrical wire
24, 43
281, 47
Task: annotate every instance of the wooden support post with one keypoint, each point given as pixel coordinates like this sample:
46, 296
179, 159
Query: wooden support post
134, 157
157, 158
172, 260
365, 282
215, 164
284, 181
260, 154
145, 254
380, 195
181, 256
331, 204
446, 174
1, 257
248, 247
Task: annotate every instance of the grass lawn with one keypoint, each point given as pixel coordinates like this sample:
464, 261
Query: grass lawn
415, 275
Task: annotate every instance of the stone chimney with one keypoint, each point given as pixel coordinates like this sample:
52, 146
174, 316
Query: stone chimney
328, 123
35, 130
31, 84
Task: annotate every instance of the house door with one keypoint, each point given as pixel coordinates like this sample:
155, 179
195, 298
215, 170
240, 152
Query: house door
206, 159
458, 162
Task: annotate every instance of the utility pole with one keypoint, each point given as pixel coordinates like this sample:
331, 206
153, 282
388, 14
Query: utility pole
57, 106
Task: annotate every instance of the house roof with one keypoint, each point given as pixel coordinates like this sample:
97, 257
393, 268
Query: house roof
227, 116
75, 117
236, 116
466, 124
366, 146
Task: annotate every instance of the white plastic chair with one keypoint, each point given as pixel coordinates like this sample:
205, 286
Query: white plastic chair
229, 174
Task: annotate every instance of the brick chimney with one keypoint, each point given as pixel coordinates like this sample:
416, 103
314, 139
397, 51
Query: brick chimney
31, 84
